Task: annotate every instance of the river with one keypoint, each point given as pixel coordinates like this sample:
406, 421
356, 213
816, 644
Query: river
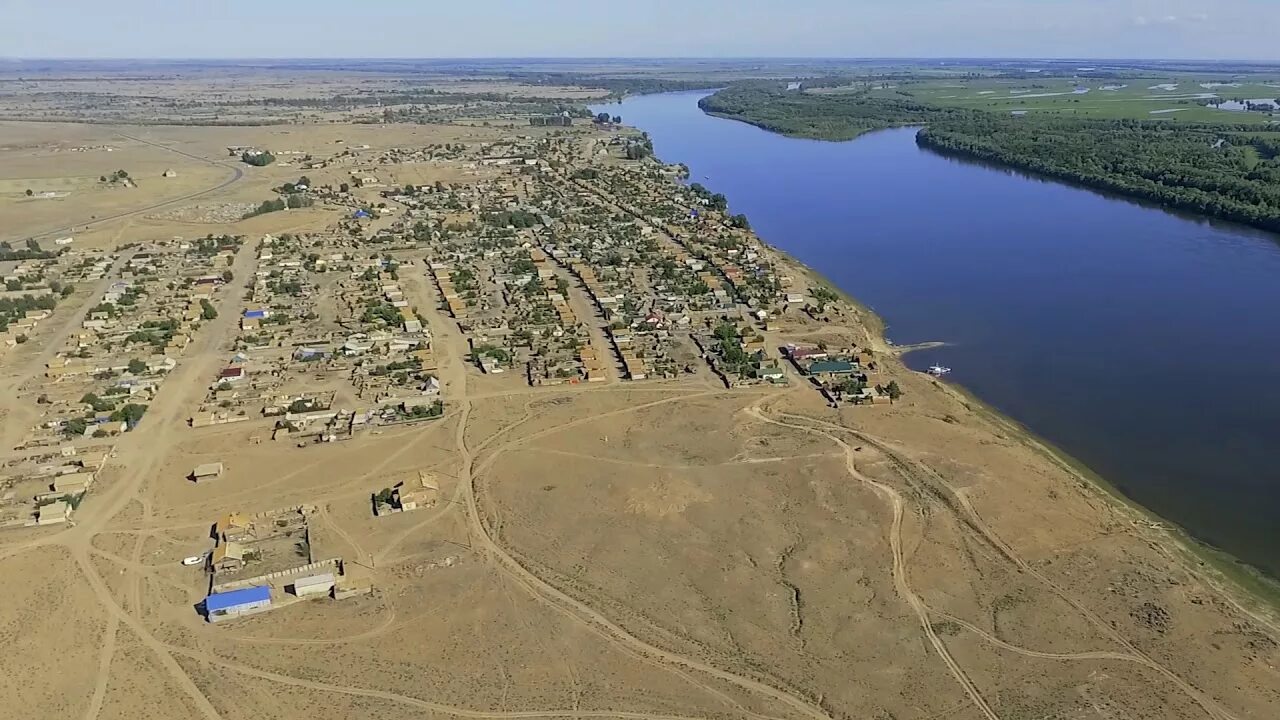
1143, 343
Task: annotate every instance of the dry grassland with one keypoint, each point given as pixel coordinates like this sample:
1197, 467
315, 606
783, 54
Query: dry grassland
648, 551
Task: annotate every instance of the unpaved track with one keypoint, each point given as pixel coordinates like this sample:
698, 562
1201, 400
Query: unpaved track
412, 701
917, 471
578, 610
900, 581
456, 382
137, 458
236, 175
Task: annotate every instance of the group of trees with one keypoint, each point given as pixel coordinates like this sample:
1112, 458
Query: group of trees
715, 201
1224, 170
639, 149
842, 116
257, 159
16, 308
302, 185
517, 218
1202, 168
292, 201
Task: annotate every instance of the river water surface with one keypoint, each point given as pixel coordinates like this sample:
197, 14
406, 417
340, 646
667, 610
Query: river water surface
1145, 344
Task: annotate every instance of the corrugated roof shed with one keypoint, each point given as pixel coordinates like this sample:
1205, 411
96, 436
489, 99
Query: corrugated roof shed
314, 580
235, 598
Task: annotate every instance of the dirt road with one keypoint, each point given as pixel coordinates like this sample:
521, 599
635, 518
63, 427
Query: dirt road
234, 177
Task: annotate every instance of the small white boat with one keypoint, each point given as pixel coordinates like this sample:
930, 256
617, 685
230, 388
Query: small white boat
938, 370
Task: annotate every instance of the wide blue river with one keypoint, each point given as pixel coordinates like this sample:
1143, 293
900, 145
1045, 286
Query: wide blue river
1144, 343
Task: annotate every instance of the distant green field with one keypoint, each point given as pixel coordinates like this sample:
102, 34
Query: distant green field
1148, 98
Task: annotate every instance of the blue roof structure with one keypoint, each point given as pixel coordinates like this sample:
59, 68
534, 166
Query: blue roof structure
235, 598
255, 313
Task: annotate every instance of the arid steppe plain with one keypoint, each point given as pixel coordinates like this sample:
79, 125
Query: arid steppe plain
652, 549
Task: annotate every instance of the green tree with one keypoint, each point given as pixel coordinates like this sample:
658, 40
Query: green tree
131, 414
75, 426
137, 367
207, 310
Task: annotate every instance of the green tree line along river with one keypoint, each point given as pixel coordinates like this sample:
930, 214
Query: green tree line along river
1223, 170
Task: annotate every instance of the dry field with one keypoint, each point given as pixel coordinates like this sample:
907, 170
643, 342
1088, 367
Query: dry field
669, 550
648, 551
42, 157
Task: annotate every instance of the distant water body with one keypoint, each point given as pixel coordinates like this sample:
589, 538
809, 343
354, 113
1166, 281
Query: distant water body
1144, 343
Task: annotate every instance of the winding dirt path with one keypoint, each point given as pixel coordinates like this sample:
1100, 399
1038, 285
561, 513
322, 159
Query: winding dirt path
918, 471
900, 581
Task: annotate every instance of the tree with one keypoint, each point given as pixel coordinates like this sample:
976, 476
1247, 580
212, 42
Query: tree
75, 426
228, 276
29, 193
602, 118
344, 188
617, 119
137, 367
207, 311
892, 390
130, 414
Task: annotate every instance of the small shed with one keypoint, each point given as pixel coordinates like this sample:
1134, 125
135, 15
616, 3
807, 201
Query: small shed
314, 585
237, 603
53, 513
207, 471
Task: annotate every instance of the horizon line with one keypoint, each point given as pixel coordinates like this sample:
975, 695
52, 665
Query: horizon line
723, 58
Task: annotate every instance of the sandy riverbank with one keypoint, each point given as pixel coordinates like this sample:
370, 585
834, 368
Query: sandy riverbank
1243, 586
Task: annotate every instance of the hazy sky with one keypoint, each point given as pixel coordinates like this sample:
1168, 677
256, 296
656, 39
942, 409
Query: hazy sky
1232, 29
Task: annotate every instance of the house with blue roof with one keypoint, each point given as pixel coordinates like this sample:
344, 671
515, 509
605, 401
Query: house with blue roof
237, 603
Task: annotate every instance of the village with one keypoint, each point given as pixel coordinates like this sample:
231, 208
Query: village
563, 259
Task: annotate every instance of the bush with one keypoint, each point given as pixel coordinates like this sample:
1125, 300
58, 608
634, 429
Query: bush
75, 426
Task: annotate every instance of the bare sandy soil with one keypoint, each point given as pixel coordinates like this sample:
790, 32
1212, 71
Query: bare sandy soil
645, 551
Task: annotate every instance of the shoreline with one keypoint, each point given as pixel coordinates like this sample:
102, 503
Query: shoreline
1245, 587
1106, 189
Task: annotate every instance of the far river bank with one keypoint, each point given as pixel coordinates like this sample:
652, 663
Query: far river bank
1136, 341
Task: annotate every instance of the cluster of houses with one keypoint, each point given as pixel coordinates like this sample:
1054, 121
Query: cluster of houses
100, 383
841, 374
329, 344
35, 280
44, 486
